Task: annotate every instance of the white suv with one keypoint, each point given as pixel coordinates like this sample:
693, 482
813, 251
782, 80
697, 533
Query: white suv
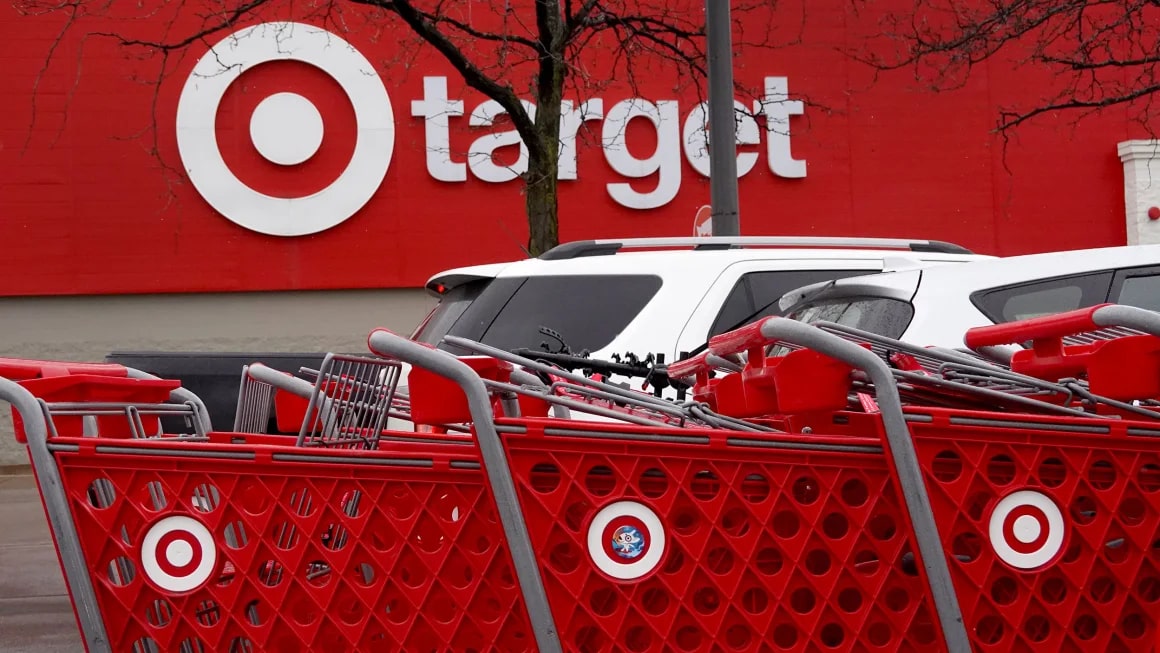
936, 306
652, 295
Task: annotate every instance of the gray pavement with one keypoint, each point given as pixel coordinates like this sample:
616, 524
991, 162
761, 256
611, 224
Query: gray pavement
35, 613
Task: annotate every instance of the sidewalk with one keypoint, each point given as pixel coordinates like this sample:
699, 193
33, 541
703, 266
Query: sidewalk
35, 613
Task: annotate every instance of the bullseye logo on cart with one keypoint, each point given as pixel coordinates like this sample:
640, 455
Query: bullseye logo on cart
626, 540
1026, 529
288, 129
178, 554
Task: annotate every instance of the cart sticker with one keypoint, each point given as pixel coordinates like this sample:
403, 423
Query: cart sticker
178, 554
1026, 529
626, 540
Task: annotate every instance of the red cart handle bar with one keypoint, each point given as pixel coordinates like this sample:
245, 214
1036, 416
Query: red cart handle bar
1066, 324
703, 363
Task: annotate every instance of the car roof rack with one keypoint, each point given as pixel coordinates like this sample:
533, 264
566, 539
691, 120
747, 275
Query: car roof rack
582, 248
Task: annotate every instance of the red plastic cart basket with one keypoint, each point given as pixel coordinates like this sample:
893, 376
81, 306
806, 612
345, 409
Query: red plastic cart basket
910, 528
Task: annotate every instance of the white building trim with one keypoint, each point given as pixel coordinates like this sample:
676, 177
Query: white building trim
1141, 159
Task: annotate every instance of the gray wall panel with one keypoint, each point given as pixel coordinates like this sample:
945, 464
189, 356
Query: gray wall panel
88, 328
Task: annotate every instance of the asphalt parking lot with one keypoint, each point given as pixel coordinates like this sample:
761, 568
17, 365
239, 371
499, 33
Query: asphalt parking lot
35, 613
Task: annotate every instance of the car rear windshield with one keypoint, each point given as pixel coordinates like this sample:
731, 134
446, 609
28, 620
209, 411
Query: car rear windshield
587, 311
447, 312
881, 315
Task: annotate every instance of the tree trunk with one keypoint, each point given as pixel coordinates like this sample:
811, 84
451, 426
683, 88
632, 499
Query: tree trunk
544, 154
540, 185
540, 198
544, 166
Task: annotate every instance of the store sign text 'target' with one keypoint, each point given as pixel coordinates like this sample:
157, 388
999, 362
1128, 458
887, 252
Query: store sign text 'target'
286, 129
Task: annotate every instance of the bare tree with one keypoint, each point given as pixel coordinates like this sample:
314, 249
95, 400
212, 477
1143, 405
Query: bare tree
1100, 54
536, 48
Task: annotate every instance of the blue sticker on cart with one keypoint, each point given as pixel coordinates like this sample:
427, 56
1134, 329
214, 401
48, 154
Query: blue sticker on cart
628, 542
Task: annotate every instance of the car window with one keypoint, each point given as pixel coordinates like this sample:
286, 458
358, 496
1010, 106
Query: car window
1139, 287
755, 295
1048, 297
588, 311
1034, 303
884, 316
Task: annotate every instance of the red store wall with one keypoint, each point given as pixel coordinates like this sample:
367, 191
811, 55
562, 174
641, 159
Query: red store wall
88, 207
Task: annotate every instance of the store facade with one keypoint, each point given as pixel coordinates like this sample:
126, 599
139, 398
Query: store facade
289, 157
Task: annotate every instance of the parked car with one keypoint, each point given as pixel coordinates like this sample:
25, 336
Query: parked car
659, 297
936, 305
651, 295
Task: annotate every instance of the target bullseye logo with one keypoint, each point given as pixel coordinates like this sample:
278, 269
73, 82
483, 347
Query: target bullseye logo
285, 128
626, 540
1026, 529
178, 554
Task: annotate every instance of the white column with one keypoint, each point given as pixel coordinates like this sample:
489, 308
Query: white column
1141, 161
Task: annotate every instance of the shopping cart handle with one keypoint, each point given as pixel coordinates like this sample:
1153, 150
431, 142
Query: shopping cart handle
1037, 328
280, 380
739, 340
22, 369
689, 367
703, 363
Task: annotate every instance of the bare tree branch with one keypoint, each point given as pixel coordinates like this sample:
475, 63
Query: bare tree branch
574, 21
1101, 53
227, 21
1014, 118
472, 75
72, 9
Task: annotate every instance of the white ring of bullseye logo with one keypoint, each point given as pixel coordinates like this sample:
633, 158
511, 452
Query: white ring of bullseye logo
630, 520
178, 554
277, 216
1026, 529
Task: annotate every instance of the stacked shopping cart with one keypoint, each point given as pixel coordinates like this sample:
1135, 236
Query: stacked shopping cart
816, 488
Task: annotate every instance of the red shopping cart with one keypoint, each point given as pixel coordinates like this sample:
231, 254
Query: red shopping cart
581, 516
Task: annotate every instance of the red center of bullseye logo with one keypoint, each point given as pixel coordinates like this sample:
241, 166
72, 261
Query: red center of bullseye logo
179, 553
626, 539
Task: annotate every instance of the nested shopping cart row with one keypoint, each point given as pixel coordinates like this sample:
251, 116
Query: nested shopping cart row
813, 488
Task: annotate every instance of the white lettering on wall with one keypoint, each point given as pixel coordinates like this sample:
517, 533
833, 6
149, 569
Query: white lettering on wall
436, 111
665, 160
777, 108
480, 156
696, 138
570, 122
664, 163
